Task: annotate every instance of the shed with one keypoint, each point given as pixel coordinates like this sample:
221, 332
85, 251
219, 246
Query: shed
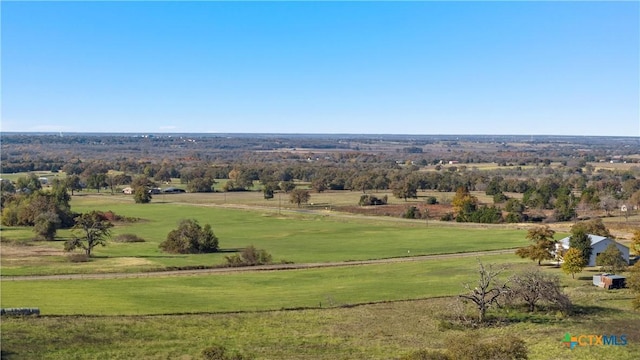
613, 281
597, 280
598, 245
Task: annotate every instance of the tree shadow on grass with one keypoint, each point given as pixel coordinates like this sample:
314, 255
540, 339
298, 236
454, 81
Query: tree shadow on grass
585, 277
4, 354
585, 310
230, 250
168, 256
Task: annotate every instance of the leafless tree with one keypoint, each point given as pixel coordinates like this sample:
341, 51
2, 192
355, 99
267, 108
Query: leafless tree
488, 290
533, 286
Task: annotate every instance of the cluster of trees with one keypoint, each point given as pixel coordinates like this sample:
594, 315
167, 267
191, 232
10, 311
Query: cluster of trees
45, 210
530, 286
466, 209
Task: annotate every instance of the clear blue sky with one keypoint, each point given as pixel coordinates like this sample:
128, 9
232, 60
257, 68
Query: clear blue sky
563, 68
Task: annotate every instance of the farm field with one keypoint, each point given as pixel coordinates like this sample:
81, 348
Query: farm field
384, 331
289, 236
265, 290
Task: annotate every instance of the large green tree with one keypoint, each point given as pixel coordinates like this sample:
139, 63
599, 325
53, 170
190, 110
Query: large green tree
581, 241
611, 260
73, 183
190, 238
142, 186
299, 196
46, 225
97, 181
543, 246
404, 189
91, 229
573, 262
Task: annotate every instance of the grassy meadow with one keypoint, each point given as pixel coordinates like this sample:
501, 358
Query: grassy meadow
255, 291
377, 311
288, 236
376, 331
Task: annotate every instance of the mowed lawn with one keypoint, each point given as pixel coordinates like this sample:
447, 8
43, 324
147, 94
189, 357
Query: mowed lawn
324, 287
299, 238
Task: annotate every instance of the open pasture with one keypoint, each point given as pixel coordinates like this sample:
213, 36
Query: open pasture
289, 236
376, 331
270, 290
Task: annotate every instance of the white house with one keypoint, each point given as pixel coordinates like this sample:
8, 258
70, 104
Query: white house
598, 245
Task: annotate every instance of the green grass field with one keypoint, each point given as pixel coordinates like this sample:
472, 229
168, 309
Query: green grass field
299, 238
379, 311
379, 331
325, 287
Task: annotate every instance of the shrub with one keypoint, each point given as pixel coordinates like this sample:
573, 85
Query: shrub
113, 217
128, 238
366, 200
431, 200
250, 256
412, 212
78, 258
447, 217
513, 218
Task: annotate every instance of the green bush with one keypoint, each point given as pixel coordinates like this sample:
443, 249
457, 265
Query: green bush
250, 256
431, 200
412, 212
367, 200
128, 238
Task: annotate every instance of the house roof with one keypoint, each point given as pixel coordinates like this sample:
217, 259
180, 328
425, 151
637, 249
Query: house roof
594, 240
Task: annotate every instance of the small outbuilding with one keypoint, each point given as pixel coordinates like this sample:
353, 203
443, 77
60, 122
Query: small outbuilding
598, 245
609, 281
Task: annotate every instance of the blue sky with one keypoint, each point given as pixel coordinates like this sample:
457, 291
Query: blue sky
555, 68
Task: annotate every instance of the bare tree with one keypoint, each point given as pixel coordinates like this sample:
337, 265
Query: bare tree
533, 286
608, 203
488, 290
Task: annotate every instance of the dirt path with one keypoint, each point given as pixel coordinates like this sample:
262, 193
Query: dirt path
274, 267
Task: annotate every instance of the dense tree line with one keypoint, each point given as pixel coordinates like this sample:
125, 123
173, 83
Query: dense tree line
359, 164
